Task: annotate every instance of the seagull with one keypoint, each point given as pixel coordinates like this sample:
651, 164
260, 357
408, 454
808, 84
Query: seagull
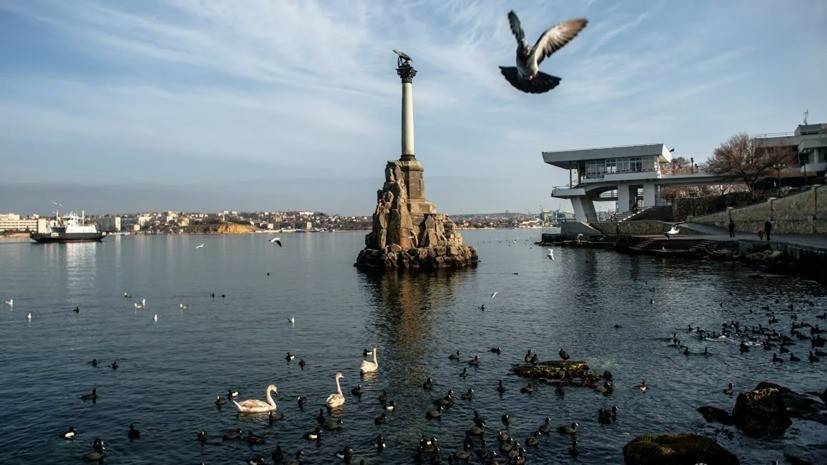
200, 246
292, 320
526, 76
10, 303
183, 306
29, 316
494, 294
550, 254
140, 305
277, 240
155, 317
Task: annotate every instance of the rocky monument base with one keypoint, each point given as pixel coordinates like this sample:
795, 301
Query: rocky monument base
411, 235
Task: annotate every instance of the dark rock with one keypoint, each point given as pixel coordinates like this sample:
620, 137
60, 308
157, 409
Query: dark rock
761, 412
799, 405
715, 415
553, 369
676, 449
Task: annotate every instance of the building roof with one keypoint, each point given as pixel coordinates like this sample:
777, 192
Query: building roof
568, 158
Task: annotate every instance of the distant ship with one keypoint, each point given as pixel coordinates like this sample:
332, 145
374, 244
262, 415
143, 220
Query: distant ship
69, 228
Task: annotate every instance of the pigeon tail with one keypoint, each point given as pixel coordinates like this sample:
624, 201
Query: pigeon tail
541, 82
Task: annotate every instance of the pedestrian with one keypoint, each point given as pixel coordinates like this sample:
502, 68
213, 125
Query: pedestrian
617, 229
760, 234
768, 228
731, 228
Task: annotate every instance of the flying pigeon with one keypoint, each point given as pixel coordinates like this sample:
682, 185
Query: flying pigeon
277, 240
526, 76
550, 254
200, 246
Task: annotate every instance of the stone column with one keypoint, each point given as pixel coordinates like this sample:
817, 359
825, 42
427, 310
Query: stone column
407, 73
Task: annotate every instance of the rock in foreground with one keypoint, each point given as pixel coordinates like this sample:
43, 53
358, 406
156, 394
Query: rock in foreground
761, 412
676, 449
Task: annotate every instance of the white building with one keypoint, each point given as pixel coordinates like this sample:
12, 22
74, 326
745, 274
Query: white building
630, 175
13, 222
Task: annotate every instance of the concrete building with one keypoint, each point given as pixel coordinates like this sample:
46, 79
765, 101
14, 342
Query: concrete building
13, 222
629, 175
109, 223
807, 145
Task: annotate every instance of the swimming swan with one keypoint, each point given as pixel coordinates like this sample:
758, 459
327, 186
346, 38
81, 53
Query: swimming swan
258, 406
368, 366
336, 399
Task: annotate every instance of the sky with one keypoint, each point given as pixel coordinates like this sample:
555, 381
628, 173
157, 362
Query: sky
272, 105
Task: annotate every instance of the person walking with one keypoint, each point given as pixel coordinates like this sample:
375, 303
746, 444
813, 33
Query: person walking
731, 229
767, 228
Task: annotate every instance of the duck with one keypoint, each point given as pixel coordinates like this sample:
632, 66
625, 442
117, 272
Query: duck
533, 440
434, 414
642, 386
573, 449
568, 429
545, 428
496, 350
527, 356
464, 454
464, 373
474, 362
297, 459
313, 435
428, 384
258, 406
380, 420
527, 389
253, 439
455, 356
300, 400
301, 364
97, 454
390, 406
506, 420
793, 358
605, 416
383, 397
91, 396
232, 434
256, 460
94, 362
728, 390
133, 433
231, 394
114, 365
357, 391
500, 388
202, 436
476, 430
76, 309
379, 443
333, 424
563, 354
345, 454
467, 395
446, 401
368, 366
70, 433
289, 357
219, 401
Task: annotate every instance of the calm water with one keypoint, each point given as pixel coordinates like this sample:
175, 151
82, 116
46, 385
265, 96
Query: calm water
171, 370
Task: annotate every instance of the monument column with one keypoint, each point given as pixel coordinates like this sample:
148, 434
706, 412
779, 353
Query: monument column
407, 73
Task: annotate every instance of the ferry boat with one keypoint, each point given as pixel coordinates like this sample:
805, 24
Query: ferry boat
68, 228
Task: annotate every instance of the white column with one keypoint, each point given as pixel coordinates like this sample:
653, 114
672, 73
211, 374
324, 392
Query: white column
407, 119
649, 194
584, 209
623, 198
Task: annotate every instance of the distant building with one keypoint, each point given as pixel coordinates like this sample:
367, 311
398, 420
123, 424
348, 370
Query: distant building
13, 222
807, 147
109, 223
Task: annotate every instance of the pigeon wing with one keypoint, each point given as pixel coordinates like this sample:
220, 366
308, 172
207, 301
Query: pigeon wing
541, 83
556, 37
516, 28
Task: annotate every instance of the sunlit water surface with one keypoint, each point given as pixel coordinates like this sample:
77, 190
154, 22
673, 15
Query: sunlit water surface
171, 370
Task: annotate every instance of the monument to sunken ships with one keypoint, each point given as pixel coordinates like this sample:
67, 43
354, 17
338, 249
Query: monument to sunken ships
407, 232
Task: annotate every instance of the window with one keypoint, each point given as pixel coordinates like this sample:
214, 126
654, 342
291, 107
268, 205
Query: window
635, 165
611, 166
623, 165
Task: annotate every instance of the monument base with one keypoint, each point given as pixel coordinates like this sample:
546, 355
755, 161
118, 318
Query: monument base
408, 233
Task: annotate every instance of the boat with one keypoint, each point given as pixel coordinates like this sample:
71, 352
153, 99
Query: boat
68, 228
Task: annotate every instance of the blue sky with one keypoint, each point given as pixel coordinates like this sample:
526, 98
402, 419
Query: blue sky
210, 105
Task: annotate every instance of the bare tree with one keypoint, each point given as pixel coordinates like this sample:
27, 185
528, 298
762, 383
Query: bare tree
741, 157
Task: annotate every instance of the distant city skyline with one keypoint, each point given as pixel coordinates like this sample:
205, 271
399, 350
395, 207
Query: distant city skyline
209, 106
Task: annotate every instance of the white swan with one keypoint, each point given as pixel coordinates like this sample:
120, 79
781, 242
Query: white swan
368, 366
258, 406
336, 399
